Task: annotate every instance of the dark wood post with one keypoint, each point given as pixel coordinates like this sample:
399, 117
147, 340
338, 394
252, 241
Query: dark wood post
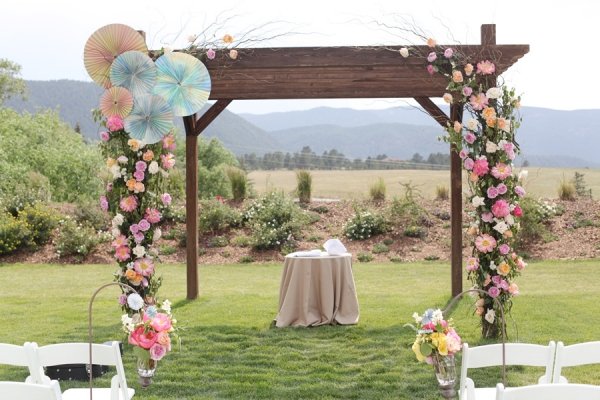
191, 205
456, 206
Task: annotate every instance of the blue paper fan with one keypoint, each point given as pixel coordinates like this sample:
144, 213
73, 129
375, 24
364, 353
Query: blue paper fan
150, 119
183, 81
135, 71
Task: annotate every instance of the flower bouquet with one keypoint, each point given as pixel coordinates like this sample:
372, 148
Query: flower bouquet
151, 331
436, 343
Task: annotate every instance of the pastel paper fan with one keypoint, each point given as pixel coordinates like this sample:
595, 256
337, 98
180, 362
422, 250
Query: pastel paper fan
104, 45
116, 101
150, 119
135, 71
183, 81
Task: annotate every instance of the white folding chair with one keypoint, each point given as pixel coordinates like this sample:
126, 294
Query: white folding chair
548, 391
78, 353
29, 391
19, 356
491, 355
576, 354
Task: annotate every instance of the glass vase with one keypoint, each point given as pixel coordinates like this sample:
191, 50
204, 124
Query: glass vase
146, 369
445, 373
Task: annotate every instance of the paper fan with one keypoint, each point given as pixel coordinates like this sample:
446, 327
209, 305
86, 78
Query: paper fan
150, 119
116, 101
135, 71
105, 45
183, 82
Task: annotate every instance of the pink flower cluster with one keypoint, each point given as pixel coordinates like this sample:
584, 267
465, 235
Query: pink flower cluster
153, 334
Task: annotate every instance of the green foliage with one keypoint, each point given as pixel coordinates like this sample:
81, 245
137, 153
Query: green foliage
320, 209
10, 81
580, 186
218, 241
75, 239
441, 192
535, 219
246, 259
88, 213
13, 233
303, 186
167, 249
407, 210
365, 224
33, 189
314, 238
415, 231
42, 143
364, 257
41, 221
566, 191
378, 190
241, 241
273, 220
388, 241
239, 183
213, 161
215, 216
379, 248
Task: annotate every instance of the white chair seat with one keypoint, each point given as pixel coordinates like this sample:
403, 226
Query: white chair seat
29, 391
485, 394
98, 394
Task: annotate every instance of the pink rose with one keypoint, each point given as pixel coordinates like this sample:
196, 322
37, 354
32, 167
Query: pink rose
469, 164
139, 176
134, 228
463, 154
487, 217
481, 166
152, 215
448, 53
500, 209
494, 292
144, 225
166, 199
164, 339
157, 351
467, 91
518, 211
492, 192
502, 188
140, 166
114, 123
470, 137
105, 136
430, 69
103, 203
519, 191
486, 67
138, 237
145, 340
122, 299
431, 57
210, 54
479, 101
161, 322
504, 249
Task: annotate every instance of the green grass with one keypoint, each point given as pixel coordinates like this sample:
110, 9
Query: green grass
230, 350
541, 182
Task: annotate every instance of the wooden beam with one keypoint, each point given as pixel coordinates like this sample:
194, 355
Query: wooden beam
210, 115
191, 205
456, 111
433, 110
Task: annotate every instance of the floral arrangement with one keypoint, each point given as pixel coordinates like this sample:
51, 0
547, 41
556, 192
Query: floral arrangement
487, 146
136, 200
151, 330
435, 336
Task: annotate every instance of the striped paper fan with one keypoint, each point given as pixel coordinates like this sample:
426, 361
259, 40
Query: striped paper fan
116, 101
150, 119
135, 71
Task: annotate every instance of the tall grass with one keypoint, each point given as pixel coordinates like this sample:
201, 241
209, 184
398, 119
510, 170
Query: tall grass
230, 350
378, 190
303, 186
239, 183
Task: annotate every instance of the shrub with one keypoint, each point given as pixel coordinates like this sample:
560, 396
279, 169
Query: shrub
379, 248
13, 233
364, 257
364, 224
34, 189
378, 190
395, 259
314, 238
215, 216
241, 241
246, 259
75, 239
89, 213
238, 181
536, 215
320, 209
407, 210
167, 249
566, 191
273, 220
415, 231
441, 192
41, 221
580, 186
304, 186
431, 258
218, 241
388, 241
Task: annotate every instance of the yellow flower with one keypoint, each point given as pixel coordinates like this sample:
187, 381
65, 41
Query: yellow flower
416, 347
134, 144
438, 340
227, 38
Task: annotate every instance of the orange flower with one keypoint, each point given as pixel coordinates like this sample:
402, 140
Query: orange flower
228, 39
131, 184
139, 187
491, 121
473, 177
488, 112
148, 155
457, 76
431, 42
501, 123
133, 277
134, 144
457, 127
504, 269
508, 234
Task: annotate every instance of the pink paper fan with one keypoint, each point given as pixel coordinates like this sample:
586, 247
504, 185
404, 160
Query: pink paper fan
116, 101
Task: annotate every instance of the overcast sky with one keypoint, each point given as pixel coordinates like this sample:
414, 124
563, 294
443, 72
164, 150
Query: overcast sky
46, 37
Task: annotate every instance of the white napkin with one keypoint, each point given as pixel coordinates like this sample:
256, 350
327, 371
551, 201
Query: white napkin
334, 247
309, 253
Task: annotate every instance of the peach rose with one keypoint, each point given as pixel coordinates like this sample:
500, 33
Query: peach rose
457, 76
148, 155
468, 69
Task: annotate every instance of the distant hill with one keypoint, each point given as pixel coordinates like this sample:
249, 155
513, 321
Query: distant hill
547, 137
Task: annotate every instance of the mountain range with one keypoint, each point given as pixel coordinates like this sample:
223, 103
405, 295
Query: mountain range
547, 137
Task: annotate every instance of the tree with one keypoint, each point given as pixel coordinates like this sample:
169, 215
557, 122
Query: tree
10, 81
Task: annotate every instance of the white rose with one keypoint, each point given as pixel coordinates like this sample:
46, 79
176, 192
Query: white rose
493, 266
157, 234
192, 38
117, 220
115, 170
472, 124
477, 201
122, 160
437, 317
139, 251
501, 227
115, 232
166, 306
490, 147
153, 167
404, 52
493, 93
490, 316
510, 220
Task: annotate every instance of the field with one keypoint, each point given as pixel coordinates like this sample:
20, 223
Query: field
541, 182
230, 350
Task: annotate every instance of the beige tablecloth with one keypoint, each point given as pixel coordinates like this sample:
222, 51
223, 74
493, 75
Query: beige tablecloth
317, 291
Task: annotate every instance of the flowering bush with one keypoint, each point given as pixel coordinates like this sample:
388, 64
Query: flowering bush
364, 224
486, 144
435, 336
151, 330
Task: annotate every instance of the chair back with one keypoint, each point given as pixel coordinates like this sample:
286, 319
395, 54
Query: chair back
553, 391
515, 354
20, 356
29, 391
576, 354
79, 353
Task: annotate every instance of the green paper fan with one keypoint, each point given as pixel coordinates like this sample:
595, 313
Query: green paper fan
135, 71
150, 119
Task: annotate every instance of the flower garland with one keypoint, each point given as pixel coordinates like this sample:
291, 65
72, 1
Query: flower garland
486, 144
136, 201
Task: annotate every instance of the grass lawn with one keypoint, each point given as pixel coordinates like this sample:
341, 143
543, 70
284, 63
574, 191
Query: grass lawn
230, 350
541, 182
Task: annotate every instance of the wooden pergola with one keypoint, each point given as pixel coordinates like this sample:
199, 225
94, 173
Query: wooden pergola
334, 72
